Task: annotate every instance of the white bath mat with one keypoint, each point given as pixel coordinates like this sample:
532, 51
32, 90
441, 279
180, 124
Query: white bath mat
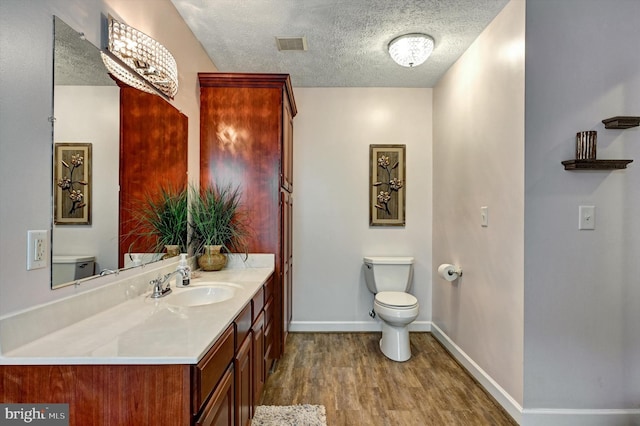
289, 415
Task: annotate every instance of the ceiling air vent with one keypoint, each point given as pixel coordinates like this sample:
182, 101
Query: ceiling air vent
291, 43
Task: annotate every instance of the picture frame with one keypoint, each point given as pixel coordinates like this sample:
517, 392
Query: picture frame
387, 185
72, 183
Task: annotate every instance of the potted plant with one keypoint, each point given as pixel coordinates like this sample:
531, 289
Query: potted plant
217, 223
160, 222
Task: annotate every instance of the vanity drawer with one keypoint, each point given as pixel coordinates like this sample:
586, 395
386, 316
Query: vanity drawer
258, 303
243, 324
207, 373
269, 287
268, 312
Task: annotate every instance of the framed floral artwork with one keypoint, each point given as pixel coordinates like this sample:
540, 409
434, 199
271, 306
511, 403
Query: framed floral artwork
387, 190
72, 184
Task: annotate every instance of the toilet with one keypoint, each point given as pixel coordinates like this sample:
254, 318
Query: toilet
389, 278
71, 268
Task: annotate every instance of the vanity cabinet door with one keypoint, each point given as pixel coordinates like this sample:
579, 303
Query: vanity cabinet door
243, 370
219, 410
259, 375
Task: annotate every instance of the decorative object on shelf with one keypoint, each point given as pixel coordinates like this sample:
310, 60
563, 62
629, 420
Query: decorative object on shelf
139, 61
72, 201
411, 50
160, 222
595, 164
387, 188
621, 122
217, 219
586, 145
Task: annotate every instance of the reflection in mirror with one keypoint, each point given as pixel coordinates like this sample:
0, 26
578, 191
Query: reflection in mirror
86, 137
119, 143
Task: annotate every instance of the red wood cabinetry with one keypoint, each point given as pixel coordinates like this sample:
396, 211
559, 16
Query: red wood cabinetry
246, 139
153, 152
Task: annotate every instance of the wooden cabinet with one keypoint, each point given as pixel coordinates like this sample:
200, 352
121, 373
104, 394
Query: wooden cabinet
219, 411
287, 258
222, 389
207, 373
243, 364
259, 373
153, 152
246, 139
269, 351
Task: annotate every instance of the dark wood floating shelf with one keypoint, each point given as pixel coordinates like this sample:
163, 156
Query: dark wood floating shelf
621, 122
595, 164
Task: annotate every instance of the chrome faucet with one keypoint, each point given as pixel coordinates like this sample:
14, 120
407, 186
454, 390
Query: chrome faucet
158, 284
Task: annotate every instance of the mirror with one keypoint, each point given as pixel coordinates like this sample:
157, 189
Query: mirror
99, 162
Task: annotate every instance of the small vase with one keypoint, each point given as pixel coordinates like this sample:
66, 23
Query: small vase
173, 250
212, 259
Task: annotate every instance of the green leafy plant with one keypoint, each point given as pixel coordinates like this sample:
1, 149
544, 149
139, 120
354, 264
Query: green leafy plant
217, 219
161, 219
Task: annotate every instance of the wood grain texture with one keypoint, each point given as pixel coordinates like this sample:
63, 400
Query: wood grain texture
153, 152
347, 373
246, 125
104, 395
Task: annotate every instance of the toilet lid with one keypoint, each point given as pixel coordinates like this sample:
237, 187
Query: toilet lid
396, 298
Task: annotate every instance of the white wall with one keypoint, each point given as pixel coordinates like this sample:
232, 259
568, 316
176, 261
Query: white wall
332, 133
478, 156
582, 288
26, 87
91, 114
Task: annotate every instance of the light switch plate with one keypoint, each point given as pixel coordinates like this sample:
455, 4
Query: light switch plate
484, 216
37, 248
587, 218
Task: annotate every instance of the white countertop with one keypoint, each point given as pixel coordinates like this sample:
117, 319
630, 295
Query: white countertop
144, 330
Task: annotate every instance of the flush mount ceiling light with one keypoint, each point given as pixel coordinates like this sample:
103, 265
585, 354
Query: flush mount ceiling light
411, 50
139, 61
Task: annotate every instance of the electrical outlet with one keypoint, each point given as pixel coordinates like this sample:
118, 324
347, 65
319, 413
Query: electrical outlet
37, 245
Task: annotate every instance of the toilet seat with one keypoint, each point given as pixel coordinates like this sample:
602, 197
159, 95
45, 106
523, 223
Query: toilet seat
396, 300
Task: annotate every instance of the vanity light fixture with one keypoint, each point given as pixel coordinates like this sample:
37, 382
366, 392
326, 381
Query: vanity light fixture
411, 50
139, 61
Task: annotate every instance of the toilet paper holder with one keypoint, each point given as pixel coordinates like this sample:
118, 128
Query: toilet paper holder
449, 272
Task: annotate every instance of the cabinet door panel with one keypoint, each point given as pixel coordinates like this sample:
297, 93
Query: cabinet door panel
244, 382
259, 376
220, 410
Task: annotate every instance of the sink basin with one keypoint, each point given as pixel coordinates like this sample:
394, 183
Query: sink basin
203, 294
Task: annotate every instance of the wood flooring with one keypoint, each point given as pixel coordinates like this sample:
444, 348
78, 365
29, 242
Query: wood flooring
347, 373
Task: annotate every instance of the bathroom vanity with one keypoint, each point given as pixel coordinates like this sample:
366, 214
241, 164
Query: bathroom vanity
152, 361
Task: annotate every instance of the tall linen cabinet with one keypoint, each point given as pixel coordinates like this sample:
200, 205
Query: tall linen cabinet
246, 139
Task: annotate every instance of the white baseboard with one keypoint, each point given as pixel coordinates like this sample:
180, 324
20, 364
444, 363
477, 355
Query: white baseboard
536, 416
349, 326
569, 417
495, 390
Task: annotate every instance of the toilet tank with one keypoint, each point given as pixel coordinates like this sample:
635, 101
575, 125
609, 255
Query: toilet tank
388, 273
71, 268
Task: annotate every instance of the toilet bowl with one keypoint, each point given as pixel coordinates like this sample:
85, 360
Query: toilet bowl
389, 278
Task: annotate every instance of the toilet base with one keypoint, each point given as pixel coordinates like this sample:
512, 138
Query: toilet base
394, 343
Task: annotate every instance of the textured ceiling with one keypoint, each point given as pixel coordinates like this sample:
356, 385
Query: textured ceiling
347, 39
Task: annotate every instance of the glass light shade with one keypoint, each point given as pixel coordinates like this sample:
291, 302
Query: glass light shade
142, 55
410, 50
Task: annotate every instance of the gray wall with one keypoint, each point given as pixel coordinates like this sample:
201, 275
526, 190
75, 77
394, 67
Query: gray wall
478, 159
26, 87
582, 288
